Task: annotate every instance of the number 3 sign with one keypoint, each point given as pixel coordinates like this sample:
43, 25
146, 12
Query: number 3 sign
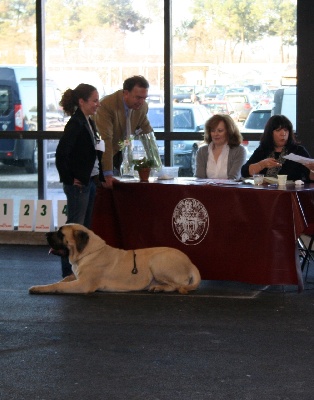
44, 217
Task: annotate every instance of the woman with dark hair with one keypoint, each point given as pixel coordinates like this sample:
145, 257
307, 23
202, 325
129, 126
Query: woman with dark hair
277, 141
223, 156
78, 157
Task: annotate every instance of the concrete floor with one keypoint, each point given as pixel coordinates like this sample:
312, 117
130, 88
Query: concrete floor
225, 341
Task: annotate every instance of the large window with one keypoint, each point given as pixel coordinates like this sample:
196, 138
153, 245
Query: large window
226, 56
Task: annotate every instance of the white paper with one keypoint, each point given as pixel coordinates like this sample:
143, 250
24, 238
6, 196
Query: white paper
299, 159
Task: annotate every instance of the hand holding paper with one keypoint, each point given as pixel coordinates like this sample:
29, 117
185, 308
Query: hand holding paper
299, 159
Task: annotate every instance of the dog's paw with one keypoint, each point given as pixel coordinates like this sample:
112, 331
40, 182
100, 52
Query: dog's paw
156, 289
34, 290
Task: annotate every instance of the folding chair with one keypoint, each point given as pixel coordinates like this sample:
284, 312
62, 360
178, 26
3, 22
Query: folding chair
306, 251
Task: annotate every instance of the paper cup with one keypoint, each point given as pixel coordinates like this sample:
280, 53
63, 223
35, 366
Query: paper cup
282, 180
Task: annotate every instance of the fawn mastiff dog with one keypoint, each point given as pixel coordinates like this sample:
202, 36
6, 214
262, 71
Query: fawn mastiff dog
97, 266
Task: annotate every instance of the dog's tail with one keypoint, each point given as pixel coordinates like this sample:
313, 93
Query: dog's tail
195, 280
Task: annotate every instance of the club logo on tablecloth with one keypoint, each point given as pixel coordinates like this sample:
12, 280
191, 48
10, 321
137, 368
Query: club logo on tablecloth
190, 221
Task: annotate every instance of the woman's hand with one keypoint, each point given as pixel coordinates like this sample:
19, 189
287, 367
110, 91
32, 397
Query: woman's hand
77, 182
266, 163
310, 166
269, 163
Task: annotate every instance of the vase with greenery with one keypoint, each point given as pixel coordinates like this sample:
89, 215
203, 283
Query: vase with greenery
143, 166
126, 147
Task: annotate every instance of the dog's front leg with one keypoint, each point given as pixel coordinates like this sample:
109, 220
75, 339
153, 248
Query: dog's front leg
74, 286
68, 278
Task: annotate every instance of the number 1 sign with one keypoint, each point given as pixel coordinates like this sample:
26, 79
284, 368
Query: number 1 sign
6, 215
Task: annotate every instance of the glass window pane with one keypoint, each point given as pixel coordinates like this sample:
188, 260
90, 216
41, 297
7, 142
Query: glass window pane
223, 54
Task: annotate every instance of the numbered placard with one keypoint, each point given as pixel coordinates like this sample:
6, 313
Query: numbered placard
44, 216
62, 212
27, 215
6, 215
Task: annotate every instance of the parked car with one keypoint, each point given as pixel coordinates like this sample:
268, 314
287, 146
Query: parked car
240, 89
241, 102
255, 123
215, 92
285, 103
189, 93
221, 107
186, 118
18, 112
155, 97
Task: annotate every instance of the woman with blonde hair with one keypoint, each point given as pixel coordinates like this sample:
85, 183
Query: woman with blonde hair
223, 156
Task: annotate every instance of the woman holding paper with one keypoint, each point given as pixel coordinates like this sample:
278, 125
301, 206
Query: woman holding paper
277, 141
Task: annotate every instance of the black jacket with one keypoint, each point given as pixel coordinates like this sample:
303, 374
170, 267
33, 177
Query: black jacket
76, 154
293, 169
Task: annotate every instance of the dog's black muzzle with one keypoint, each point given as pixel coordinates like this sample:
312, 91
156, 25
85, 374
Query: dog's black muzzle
55, 241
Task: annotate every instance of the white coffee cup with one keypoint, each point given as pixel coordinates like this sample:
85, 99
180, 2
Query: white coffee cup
282, 180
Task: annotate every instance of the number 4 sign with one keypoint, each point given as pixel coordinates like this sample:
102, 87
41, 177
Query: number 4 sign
6, 215
62, 212
44, 217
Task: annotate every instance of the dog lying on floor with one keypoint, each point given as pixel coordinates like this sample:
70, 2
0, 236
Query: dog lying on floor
97, 266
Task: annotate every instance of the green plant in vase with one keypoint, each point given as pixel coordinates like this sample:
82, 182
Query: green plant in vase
143, 166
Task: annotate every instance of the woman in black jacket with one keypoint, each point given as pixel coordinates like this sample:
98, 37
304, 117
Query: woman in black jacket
78, 156
277, 141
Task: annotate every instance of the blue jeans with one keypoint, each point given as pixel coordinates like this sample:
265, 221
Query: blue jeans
80, 203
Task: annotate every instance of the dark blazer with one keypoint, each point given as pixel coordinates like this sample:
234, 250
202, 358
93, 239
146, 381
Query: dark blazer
293, 169
76, 154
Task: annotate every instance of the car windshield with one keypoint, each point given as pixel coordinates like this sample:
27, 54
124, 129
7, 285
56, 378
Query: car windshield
156, 117
216, 89
237, 99
29, 94
182, 118
257, 120
4, 100
216, 108
183, 89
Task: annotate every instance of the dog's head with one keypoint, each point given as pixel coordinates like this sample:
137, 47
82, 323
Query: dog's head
69, 240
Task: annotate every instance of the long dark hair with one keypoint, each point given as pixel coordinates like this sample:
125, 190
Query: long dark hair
70, 98
275, 122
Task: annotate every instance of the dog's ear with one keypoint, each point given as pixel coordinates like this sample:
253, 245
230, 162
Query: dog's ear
81, 240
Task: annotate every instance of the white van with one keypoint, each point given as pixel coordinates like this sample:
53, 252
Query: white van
285, 103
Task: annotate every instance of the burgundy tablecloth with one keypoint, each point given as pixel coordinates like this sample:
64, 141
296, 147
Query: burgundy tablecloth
105, 220
250, 234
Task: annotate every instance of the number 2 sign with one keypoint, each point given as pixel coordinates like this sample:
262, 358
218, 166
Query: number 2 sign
27, 215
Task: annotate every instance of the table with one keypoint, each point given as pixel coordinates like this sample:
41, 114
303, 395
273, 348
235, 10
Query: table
231, 232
